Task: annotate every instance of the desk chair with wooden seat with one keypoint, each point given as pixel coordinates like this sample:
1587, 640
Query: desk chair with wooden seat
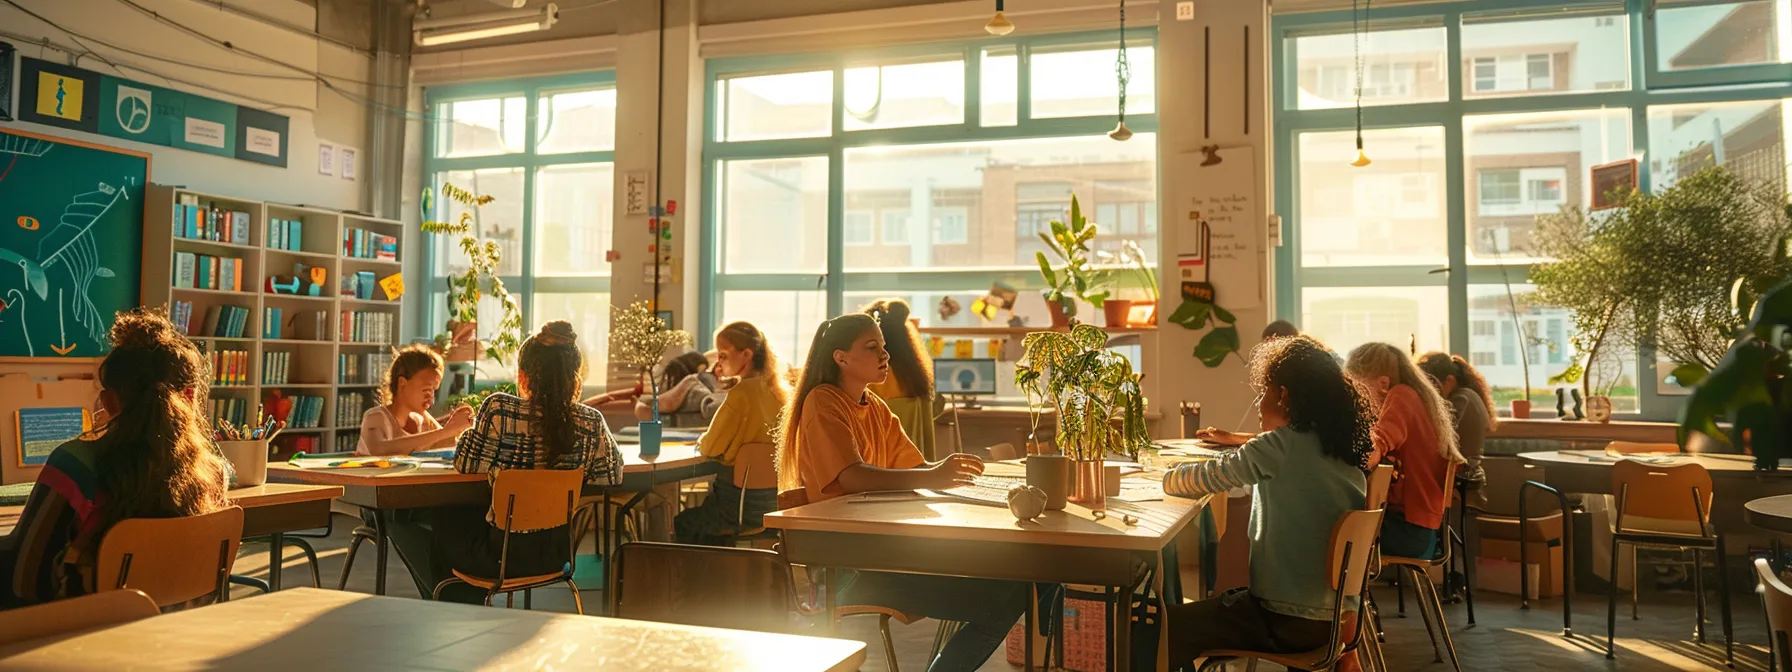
1347, 570
1776, 600
527, 500
709, 586
1381, 478
1668, 507
1417, 570
755, 468
173, 560
86, 612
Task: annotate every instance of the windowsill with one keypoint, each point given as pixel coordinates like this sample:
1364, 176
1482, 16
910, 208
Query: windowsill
1582, 430
1019, 331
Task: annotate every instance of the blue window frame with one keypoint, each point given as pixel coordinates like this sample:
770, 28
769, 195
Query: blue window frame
925, 178
545, 148
1502, 106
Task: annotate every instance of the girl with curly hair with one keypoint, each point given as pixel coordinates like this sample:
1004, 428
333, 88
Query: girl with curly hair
1307, 468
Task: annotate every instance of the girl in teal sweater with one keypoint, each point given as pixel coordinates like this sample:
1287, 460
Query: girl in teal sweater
1307, 470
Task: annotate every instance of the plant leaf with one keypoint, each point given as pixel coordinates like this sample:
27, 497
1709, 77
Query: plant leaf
1689, 375
1568, 376
1076, 215
1214, 347
1192, 314
1224, 315
1045, 269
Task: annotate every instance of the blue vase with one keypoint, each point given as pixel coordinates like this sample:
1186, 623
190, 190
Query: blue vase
651, 431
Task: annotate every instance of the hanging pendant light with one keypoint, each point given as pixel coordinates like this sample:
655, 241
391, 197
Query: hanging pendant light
998, 25
1122, 73
1358, 29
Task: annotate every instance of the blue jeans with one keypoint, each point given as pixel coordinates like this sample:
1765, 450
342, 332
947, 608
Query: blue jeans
1402, 539
987, 607
712, 522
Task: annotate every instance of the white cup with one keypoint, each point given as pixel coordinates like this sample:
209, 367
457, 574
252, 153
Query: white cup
249, 459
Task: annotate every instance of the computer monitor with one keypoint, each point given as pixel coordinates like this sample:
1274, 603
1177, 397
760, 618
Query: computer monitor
965, 377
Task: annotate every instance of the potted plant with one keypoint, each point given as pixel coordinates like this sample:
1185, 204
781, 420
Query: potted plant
1132, 267
465, 289
1097, 398
638, 339
1520, 407
1075, 276
1747, 388
1596, 274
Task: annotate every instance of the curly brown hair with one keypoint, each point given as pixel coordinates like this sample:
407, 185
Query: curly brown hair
408, 361
155, 456
912, 368
1319, 397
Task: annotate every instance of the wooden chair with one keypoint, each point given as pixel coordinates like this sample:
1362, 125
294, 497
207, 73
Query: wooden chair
1417, 571
1675, 502
1347, 571
755, 468
1380, 480
1776, 600
87, 612
710, 586
1531, 511
884, 616
173, 560
1005, 451
525, 500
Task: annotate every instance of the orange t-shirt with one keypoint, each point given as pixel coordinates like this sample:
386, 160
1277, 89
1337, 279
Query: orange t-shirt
1405, 435
836, 432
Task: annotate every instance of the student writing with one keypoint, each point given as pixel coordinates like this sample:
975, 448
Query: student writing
401, 423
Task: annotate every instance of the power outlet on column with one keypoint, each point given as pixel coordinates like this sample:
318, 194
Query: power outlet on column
1185, 10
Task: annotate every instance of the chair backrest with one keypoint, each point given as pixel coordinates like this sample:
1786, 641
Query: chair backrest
1380, 479
720, 587
1352, 538
1004, 451
173, 560
1634, 448
1778, 598
81, 613
535, 499
1505, 476
1680, 492
756, 466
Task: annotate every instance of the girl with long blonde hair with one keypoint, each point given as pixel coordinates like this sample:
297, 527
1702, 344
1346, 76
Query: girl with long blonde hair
1415, 431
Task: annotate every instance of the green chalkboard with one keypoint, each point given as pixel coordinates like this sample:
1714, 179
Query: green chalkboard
71, 243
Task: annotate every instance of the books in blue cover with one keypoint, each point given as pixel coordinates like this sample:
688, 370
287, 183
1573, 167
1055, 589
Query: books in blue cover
295, 234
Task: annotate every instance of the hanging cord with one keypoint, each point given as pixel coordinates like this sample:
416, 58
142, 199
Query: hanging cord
1358, 26
1122, 69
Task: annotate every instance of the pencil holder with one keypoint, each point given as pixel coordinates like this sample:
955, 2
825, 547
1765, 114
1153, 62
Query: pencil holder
650, 438
249, 459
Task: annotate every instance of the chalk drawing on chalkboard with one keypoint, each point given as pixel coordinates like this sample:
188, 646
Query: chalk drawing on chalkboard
64, 347
71, 243
18, 300
17, 144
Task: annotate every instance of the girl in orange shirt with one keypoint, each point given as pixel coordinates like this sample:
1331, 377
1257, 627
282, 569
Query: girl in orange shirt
1416, 432
838, 439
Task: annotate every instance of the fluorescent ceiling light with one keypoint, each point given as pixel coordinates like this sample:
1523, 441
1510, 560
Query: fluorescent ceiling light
432, 32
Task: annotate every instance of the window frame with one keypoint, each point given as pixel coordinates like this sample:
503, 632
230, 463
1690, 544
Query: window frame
1648, 88
835, 281
524, 285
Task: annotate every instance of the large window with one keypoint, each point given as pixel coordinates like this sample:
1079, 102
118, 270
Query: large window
929, 176
1418, 247
544, 150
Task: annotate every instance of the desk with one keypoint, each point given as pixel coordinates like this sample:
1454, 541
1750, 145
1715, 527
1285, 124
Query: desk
438, 484
949, 537
269, 510
1770, 513
1733, 480
307, 629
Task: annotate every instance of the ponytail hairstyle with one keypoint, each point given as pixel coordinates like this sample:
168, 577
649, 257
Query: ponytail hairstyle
408, 361
1370, 360
911, 368
556, 371
820, 369
745, 336
156, 458
1441, 365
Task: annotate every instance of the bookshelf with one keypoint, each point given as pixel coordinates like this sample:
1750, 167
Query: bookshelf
320, 339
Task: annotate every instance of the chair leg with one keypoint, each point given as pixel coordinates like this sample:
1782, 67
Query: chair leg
310, 557
1443, 627
883, 628
1698, 589
577, 605
1636, 585
510, 600
1418, 588
1468, 575
250, 581
1723, 602
1611, 605
528, 599
1400, 593
1375, 617
360, 534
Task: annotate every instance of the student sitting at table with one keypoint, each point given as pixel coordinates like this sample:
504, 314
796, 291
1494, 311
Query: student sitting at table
908, 390
838, 439
152, 458
1414, 431
749, 414
1307, 469
401, 423
685, 385
544, 428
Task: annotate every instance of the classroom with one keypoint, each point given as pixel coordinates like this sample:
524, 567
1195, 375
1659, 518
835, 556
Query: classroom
949, 335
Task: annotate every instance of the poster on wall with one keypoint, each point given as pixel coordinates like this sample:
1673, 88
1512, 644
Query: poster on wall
1214, 217
91, 102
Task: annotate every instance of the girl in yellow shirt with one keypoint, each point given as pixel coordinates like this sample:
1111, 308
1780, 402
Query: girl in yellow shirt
748, 415
908, 390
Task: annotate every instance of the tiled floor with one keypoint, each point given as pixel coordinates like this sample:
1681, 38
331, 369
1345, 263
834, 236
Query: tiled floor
1503, 638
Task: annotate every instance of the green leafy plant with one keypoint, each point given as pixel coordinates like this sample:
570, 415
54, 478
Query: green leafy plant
1132, 267
1096, 394
1222, 340
477, 397
1597, 276
481, 277
1747, 388
1075, 276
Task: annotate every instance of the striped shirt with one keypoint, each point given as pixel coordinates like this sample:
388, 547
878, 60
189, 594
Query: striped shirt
504, 437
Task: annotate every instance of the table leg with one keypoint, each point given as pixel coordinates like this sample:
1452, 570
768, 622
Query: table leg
1027, 634
380, 544
827, 598
1113, 624
1123, 630
276, 559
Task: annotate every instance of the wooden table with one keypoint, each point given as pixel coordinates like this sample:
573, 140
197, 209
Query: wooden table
1733, 479
313, 629
269, 510
949, 537
1770, 513
436, 483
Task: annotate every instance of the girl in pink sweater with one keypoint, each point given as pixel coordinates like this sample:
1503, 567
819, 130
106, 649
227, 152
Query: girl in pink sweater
1415, 432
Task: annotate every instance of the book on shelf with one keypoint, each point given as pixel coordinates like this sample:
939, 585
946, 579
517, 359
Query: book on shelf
186, 269
271, 324
359, 285
285, 234
181, 314
363, 368
197, 222
229, 409
365, 244
350, 406
367, 327
275, 367
230, 367
347, 441
203, 271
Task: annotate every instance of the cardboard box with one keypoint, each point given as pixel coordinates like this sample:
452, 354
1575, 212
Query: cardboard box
1501, 576
1546, 560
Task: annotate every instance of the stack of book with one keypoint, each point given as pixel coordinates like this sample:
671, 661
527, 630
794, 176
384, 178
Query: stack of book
362, 285
181, 314
274, 367
201, 271
230, 367
210, 223
350, 406
219, 321
362, 369
230, 410
347, 441
285, 234
364, 244
368, 327
299, 412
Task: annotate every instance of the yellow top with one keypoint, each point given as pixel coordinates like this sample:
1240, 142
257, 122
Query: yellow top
749, 415
915, 412
891, 388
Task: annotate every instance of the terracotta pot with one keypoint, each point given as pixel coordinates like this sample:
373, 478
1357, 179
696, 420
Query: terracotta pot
1116, 312
1087, 487
1521, 408
1060, 319
1050, 473
1599, 408
1150, 316
463, 341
